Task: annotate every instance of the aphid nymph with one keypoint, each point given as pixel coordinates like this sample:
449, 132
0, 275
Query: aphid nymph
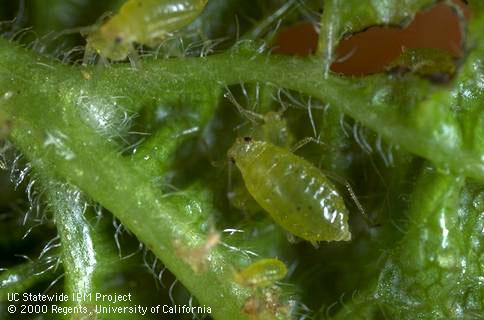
147, 22
262, 273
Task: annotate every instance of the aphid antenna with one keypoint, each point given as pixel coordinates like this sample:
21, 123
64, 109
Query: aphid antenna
305, 141
250, 115
240, 126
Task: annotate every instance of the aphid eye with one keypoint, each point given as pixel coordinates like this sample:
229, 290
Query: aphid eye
118, 40
232, 159
247, 139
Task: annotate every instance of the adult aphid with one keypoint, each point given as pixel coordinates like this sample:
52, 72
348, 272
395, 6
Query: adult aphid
297, 195
146, 22
262, 273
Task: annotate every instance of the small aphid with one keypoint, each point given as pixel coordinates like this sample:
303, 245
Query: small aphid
262, 273
297, 195
197, 257
147, 22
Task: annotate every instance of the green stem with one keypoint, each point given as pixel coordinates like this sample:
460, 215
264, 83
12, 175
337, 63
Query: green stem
24, 276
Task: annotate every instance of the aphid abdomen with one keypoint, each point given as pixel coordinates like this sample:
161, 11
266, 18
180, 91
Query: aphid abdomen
158, 18
294, 192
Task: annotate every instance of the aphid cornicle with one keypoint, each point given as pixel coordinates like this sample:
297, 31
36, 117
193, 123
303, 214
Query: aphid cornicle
296, 194
146, 22
262, 273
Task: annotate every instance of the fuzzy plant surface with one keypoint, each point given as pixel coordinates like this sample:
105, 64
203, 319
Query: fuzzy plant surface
116, 178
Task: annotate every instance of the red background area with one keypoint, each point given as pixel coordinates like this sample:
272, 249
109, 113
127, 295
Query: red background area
369, 51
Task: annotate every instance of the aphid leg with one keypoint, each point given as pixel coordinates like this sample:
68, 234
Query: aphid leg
134, 59
88, 55
251, 115
315, 244
304, 142
292, 238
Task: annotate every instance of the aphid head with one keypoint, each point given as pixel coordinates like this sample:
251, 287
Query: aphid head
240, 148
110, 42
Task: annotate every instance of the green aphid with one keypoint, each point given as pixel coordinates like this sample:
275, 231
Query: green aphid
426, 62
147, 22
296, 194
262, 273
